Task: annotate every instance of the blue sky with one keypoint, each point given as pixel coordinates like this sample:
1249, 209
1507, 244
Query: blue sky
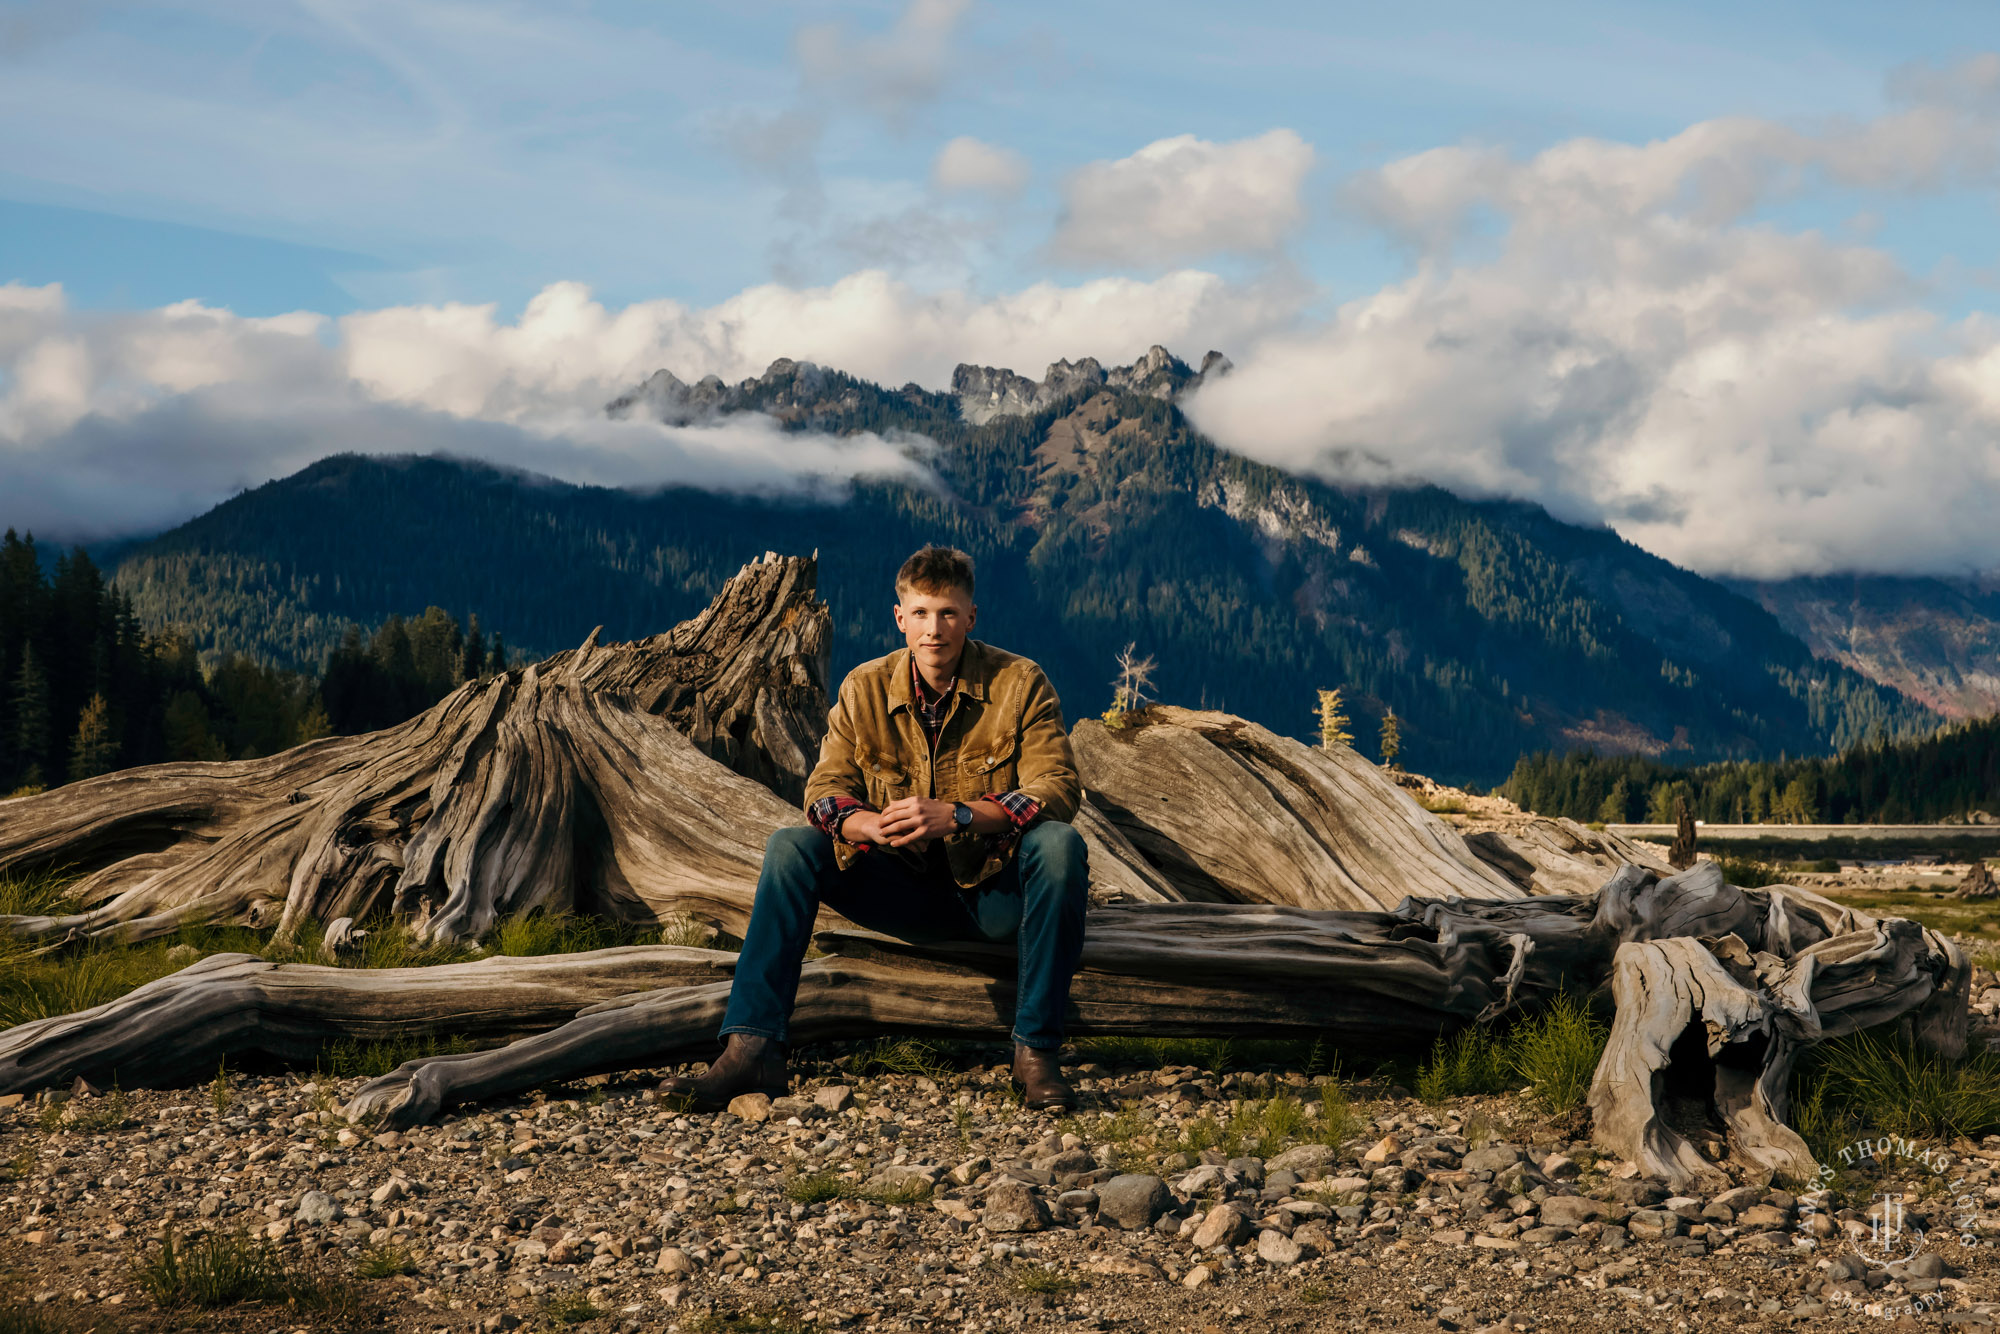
274, 156
1718, 276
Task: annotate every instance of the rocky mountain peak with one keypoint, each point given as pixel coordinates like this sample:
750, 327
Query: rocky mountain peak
986, 392
788, 388
664, 396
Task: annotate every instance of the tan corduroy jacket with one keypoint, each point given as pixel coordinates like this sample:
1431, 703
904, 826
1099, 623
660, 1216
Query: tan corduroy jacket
1004, 733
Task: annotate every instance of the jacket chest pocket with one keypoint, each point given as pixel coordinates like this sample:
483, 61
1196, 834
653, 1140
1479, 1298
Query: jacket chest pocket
886, 777
994, 766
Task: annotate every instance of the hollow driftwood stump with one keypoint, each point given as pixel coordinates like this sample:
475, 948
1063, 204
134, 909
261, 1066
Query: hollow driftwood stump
1247, 884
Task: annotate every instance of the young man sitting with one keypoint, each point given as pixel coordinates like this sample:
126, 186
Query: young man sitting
940, 810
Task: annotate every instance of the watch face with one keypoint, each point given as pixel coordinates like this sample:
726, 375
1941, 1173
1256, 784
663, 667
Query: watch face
962, 813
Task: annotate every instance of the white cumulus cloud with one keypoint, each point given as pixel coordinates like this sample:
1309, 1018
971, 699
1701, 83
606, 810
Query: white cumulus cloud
890, 73
1182, 198
122, 423
1639, 350
971, 164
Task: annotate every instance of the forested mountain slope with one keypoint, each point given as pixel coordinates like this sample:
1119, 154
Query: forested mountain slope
1936, 640
1099, 517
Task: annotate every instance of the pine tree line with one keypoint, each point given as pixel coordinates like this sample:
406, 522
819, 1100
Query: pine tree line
84, 691
1948, 775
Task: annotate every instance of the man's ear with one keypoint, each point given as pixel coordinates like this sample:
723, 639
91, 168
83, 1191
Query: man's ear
972, 617
898, 609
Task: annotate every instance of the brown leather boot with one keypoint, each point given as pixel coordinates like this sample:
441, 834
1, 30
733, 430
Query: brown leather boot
1040, 1078
748, 1064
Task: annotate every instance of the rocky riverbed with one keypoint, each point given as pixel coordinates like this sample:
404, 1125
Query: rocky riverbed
913, 1201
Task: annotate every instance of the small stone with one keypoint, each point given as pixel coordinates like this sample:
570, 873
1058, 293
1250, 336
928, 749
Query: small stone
1078, 1199
1493, 1158
210, 1206
1224, 1226
9, 1101
1653, 1224
1763, 1215
1382, 1151
958, 1209
1927, 1264
1249, 1170
388, 1192
1451, 1237
1560, 1167
347, 1139
1543, 1236
1198, 1277
1275, 1248
389, 1139
1495, 1243
1134, 1200
674, 1260
1571, 1211
316, 1206
1013, 1206
834, 1098
1303, 1158
751, 1106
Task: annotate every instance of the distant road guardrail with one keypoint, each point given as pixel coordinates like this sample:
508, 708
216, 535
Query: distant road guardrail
1858, 842
1812, 833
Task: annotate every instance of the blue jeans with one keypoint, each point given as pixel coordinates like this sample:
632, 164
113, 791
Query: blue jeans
1037, 900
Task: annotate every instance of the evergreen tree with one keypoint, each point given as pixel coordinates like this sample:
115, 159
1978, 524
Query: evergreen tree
1333, 721
1799, 805
313, 723
94, 750
472, 665
1617, 805
33, 718
187, 729
496, 658
1392, 738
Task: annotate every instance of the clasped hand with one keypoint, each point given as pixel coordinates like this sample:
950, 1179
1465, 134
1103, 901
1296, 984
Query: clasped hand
902, 822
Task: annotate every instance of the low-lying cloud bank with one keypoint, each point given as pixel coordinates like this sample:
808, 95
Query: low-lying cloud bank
113, 424
1616, 331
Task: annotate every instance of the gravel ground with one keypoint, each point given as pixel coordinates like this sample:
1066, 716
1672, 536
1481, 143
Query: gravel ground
983, 1216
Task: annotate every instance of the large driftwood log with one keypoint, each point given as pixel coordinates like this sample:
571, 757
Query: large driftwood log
1232, 813
1752, 976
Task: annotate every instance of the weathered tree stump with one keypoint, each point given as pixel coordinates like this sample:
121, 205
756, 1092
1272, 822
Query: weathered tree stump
1681, 853
1978, 882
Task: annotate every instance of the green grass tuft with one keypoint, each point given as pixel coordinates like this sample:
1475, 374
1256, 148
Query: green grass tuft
818, 1188
357, 1058
1043, 1280
1469, 1062
568, 1308
905, 1056
1867, 1084
219, 1269
385, 1261
1553, 1051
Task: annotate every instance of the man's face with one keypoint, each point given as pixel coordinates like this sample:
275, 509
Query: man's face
935, 625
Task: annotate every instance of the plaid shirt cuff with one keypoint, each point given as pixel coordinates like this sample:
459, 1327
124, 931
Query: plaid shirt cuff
1021, 809
827, 813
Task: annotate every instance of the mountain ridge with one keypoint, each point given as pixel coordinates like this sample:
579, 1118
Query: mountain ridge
1099, 516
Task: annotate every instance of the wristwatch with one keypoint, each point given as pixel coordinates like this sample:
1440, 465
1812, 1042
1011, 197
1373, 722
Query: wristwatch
961, 815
